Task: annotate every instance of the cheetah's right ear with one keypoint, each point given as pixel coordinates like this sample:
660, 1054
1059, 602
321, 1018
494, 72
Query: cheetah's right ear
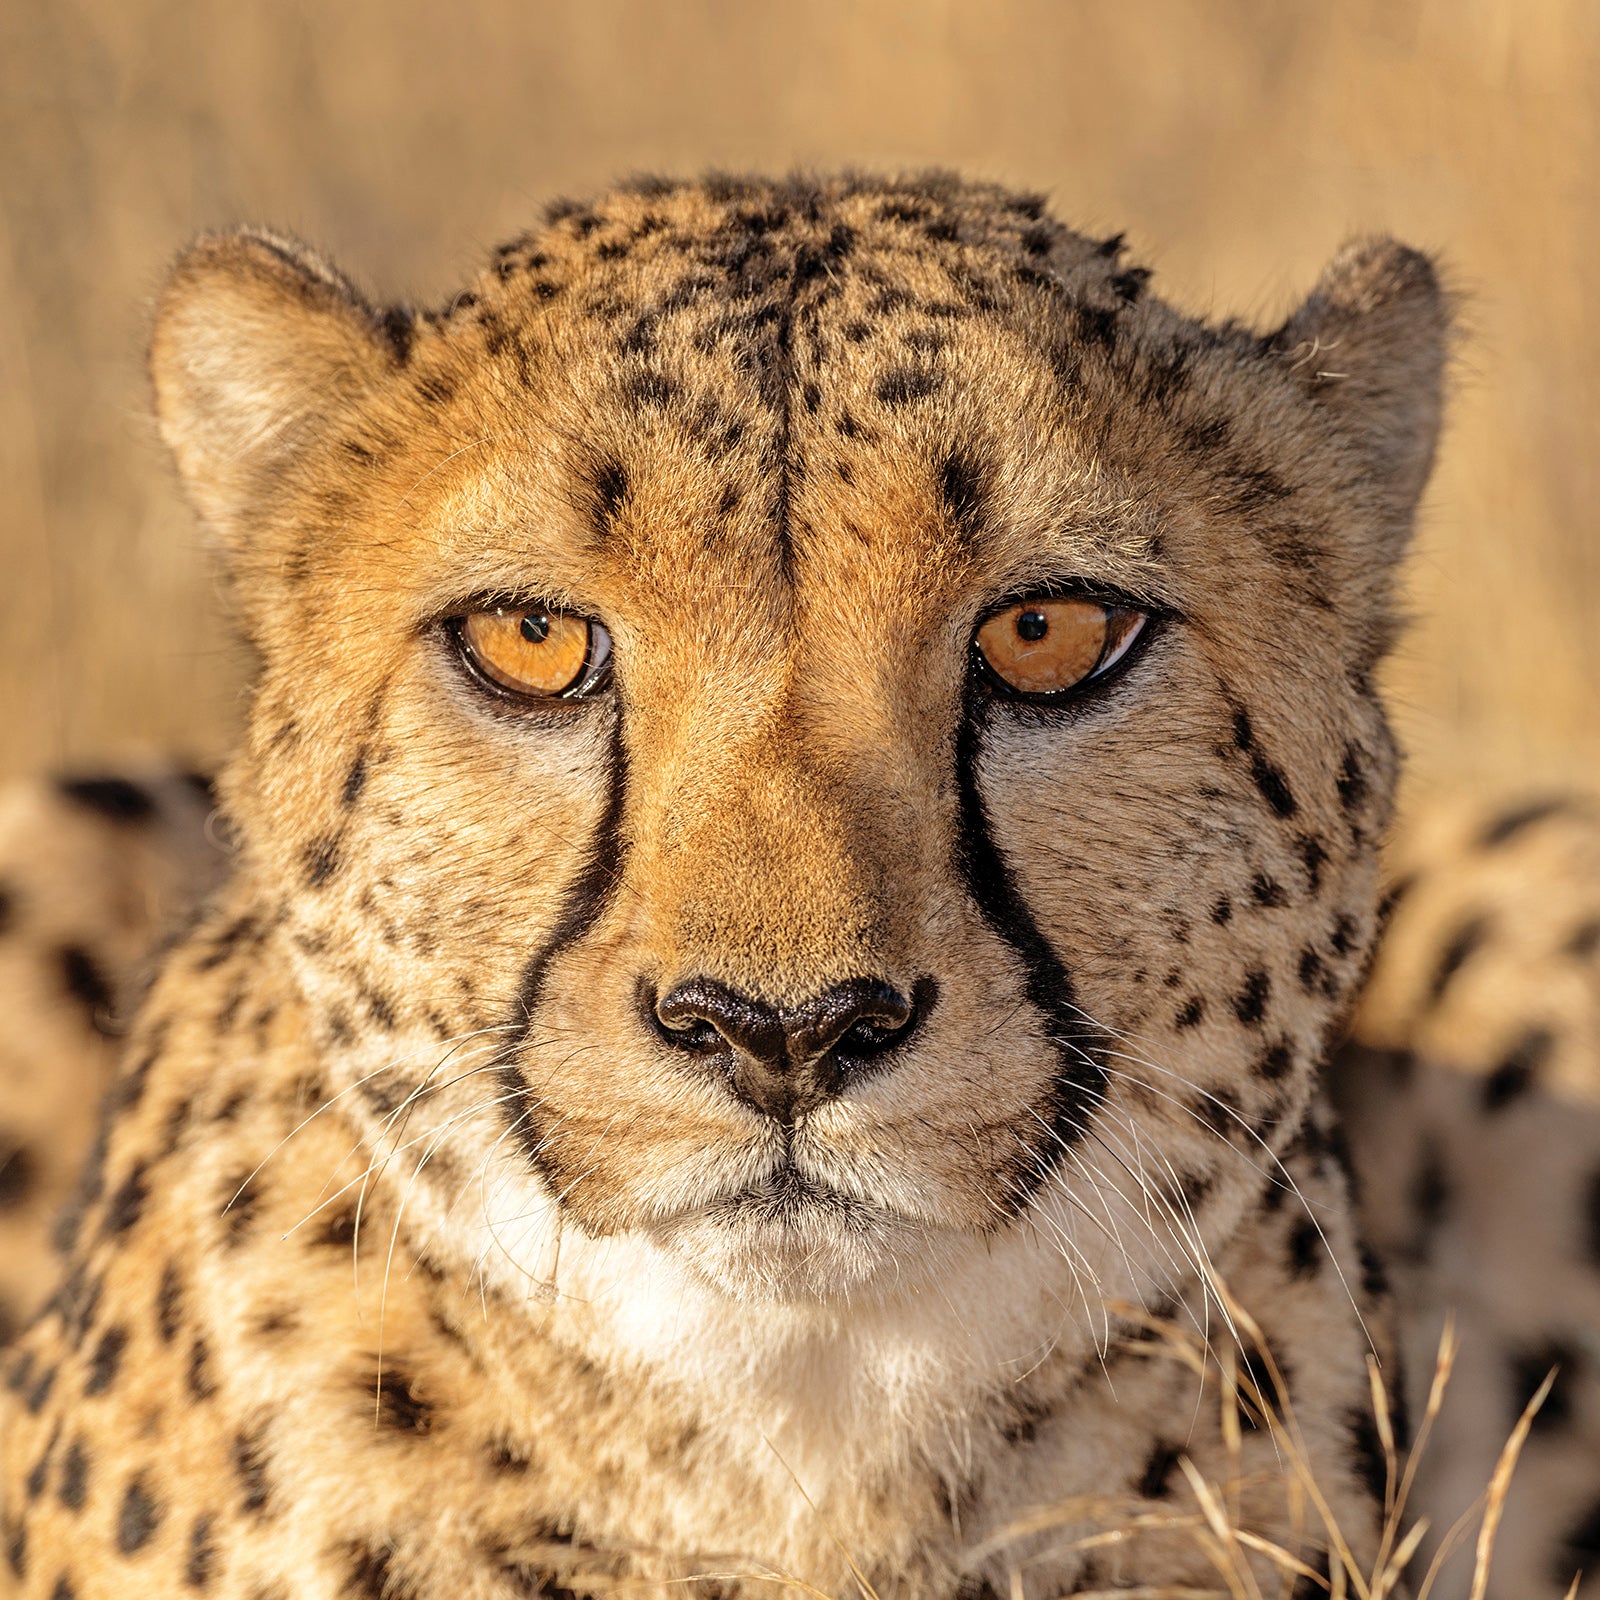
1369, 349
258, 345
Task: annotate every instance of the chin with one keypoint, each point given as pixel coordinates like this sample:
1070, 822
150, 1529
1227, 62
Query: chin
791, 1239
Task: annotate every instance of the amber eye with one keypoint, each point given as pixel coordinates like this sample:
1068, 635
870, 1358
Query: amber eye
536, 651
1046, 646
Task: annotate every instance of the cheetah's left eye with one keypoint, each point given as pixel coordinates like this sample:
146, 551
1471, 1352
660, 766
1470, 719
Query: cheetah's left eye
1045, 647
535, 652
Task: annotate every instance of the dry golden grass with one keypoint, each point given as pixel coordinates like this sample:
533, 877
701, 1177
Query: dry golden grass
1247, 1565
1237, 140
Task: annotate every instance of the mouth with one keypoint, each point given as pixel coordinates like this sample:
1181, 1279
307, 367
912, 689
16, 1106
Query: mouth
786, 1197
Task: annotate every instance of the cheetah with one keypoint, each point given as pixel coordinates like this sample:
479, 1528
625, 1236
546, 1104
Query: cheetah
808, 823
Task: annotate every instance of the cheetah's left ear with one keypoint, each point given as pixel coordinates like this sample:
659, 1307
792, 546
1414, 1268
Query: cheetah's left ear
259, 346
1369, 348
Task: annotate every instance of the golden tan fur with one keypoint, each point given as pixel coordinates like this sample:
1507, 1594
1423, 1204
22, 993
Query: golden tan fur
789, 441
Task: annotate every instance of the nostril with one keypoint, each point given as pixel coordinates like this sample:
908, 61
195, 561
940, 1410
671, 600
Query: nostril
707, 1018
887, 1021
676, 1024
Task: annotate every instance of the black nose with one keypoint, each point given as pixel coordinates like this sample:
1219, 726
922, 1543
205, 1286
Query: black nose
788, 1060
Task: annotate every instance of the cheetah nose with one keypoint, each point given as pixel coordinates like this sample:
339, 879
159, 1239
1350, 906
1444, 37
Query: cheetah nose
785, 1061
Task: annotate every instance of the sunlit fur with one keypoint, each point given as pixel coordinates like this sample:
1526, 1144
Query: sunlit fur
790, 443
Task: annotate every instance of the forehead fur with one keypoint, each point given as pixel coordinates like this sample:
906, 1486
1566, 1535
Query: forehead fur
754, 369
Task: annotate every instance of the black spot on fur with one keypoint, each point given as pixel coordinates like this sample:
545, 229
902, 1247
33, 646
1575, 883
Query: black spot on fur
1305, 1250
86, 982
125, 1207
1273, 785
1367, 1453
650, 390
1352, 780
1255, 1383
1528, 1369
1194, 1008
1275, 1061
240, 1195
63, 1589
169, 1299
105, 1361
115, 798
138, 1519
1374, 1275
250, 1463
224, 943
380, 1008
1510, 824
201, 1384
1515, 1072
355, 780
962, 485
1267, 891
18, 1173
1467, 939
339, 1230
1250, 1004
901, 385
1155, 1482
33, 1484
436, 389
73, 1486
1313, 857
321, 860
610, 489
1313, 971
1243, 732
1430, 1194
1584, 940
17, 1550
201, 1560
371, 1574
399, 1405
1222, 911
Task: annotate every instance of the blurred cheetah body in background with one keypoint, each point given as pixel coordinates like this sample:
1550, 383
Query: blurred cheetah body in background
742, 1105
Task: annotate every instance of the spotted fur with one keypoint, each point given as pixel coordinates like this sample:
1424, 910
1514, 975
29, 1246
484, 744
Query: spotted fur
414, 1262
1471, 1093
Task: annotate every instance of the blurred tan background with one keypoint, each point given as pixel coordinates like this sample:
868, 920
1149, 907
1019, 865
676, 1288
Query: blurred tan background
1237, 141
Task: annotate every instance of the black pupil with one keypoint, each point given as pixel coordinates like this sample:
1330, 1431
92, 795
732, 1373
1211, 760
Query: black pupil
1032, 626
535, 627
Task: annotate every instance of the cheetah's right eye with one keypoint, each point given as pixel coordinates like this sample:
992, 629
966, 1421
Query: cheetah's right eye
535, 652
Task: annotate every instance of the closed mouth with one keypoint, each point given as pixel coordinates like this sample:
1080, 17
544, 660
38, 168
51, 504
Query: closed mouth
785, 1196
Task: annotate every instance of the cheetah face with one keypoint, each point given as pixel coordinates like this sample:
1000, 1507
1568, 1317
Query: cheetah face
679, 832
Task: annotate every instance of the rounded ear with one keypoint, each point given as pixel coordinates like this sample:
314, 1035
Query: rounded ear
1369, 347
258, 344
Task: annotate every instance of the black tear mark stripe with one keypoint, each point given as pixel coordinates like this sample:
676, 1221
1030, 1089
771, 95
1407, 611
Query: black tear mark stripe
592, 891
1081, 1048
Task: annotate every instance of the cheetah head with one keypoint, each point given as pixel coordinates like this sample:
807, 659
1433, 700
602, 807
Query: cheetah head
813, 730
